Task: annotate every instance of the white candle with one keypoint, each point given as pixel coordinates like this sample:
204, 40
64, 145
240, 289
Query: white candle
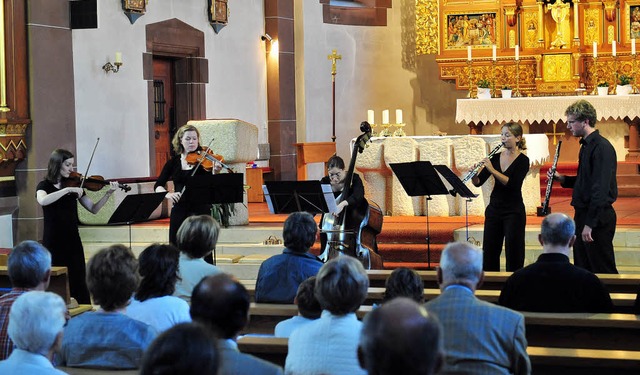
613, 48
494, 52
385, 116
370, 117
633, 46
517, 52
399, 116
469, 53
118, 57
595, 49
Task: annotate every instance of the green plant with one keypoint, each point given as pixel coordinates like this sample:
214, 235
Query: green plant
484, 83
505, 87
603, 84
624, 79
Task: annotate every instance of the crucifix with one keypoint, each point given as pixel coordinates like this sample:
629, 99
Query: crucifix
555, 133
334, 57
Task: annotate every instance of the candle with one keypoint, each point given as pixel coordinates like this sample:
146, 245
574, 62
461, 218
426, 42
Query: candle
385, 116
494, 52
118, 57
633, 46
517, 52
370, 117
595, 49
469, 53
398, 116
613, 48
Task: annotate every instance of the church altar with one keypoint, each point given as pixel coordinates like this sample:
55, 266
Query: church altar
458, 152
620, 115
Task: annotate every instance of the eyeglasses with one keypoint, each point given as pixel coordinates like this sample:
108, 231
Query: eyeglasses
571, 122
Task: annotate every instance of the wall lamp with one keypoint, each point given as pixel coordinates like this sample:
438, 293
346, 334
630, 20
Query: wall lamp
115, 67
266, 37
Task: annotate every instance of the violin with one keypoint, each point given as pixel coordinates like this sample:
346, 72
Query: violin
91, 183
206, 158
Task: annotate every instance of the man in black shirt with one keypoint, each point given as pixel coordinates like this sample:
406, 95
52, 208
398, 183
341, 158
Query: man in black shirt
552, 283
594, 191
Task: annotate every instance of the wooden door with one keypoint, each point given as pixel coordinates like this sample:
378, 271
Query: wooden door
164, 109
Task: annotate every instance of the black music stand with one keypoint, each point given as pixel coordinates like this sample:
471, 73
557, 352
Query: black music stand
419, 178
284, 197
458, 187
136, 208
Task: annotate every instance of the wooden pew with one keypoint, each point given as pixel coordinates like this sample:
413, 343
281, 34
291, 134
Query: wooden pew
622, 302
550, 361
625, 283
59, 283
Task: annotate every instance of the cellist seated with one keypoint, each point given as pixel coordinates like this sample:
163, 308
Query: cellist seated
340, 230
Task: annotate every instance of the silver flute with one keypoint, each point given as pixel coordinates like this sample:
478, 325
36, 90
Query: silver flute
475, 170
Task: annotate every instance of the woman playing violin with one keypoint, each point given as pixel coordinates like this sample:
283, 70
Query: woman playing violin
60, 208
179, 169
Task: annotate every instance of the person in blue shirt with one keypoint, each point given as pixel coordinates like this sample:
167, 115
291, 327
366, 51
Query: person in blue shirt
280, 275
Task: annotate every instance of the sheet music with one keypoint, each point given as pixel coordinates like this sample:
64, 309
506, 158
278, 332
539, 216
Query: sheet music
329, 198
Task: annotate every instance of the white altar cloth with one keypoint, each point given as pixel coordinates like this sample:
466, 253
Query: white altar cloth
544, 108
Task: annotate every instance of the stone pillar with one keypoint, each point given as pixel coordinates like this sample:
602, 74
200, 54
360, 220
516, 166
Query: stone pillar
634, 140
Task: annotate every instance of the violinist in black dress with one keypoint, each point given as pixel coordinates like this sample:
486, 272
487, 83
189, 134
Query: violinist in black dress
505, 216
185, 141
60, 209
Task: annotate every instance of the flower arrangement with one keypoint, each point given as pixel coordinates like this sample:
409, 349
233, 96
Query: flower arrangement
603, 84
624, 79
484, 83
505, 87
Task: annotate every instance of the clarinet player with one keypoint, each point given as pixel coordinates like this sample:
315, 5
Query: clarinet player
505, 216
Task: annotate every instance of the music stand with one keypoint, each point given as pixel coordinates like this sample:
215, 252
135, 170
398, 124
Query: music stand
458, 188
285, 197
419, 178
136, 208
209, 189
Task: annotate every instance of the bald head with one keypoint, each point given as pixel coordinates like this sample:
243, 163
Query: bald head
221, 303
557, 233
400, 337
460, 263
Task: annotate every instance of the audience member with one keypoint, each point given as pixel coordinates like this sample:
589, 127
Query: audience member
29, 268
36, 324
400, 338
197, 237
552, 283
404, 282
329, 344
184, 349
153, 302
221, 304
308, 309
108, 338
280, 275
479, 337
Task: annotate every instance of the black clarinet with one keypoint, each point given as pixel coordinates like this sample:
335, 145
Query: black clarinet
545, 210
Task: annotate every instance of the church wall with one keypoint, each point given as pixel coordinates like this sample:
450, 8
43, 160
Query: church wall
114, 106
379, 70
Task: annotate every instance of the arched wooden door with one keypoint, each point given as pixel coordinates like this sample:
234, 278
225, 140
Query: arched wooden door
164, 109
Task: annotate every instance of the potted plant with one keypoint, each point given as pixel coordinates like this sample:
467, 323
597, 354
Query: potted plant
484, 89
624, 84
506, 92
603, 88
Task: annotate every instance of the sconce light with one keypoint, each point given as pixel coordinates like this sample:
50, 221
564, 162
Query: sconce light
266, 37
115, 67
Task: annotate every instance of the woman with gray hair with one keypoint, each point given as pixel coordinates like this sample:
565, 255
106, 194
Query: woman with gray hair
329, 345
36, 324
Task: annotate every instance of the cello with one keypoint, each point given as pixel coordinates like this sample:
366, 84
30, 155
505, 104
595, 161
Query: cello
339, 234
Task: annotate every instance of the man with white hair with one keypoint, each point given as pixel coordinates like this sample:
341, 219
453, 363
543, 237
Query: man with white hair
36, 324
479, 337
29, 268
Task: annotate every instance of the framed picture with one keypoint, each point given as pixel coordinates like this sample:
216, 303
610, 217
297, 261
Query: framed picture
470, 29
633, 19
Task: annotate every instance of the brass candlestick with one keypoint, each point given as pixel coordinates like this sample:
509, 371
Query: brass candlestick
516, 93
385, 130
470, 94
374, 133
399, 132
595, 76
493, 79
615, 75
634, 89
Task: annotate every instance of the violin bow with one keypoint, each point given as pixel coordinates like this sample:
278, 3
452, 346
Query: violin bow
89, 165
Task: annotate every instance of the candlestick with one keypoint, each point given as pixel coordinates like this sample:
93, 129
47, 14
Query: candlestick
385, 116
493, 79
517, 52
370, 117
470, 94
517, 93
494, 52
613, 48
633, 46
595, 50
469, 53
398, 116
118, 57
595, 71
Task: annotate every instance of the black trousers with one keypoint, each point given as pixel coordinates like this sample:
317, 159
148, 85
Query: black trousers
597, 256
508, 227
